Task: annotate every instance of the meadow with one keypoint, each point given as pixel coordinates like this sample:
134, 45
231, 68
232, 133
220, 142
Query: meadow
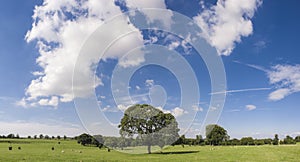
69, 150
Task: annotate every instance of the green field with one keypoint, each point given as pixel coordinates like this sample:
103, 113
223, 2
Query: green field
69, 150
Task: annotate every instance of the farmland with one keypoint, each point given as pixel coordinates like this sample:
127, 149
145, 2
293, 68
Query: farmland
69, 150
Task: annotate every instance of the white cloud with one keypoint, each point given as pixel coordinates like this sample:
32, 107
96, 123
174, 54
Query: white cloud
260, 44
225, 23
109, 109
149, 82
286, 79
250, 107
152, 15
197, 108
59, 39
137, 87
279, 94
178, 112
133, 59
122, 107
49, 102
174, 45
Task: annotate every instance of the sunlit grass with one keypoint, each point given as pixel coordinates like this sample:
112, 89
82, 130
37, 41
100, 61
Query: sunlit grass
69, 150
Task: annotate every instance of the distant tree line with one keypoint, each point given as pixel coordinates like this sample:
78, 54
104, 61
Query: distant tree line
216, 136
41, 136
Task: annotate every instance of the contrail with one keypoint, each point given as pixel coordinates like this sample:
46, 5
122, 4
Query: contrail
240, 90
260, 68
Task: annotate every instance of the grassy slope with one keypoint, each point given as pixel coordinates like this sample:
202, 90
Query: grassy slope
40, 150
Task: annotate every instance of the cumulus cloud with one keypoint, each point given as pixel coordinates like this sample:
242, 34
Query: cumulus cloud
197, 108
286, 79
49, 102
149, 82
122, 107
176, 112
60, 28
225, 23
174, 45
250, 107
166, 20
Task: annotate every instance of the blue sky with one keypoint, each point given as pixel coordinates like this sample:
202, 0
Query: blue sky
257, 42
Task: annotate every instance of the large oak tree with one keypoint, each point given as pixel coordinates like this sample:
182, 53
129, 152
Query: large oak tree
152, 125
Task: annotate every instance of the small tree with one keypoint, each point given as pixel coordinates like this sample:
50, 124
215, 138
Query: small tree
297, 138
216, 134
11, 136
247, 141
268, 141
85, 139
65, 137
98, 141
235, 142
289, 140
41, 136
276, 140
199, 140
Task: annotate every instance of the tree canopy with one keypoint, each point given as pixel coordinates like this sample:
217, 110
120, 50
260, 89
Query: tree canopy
150, 124
216, 134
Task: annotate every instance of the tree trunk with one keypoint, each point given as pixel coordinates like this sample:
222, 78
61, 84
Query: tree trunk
149, 149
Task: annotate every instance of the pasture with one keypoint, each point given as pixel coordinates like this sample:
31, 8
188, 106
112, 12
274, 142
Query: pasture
69, 150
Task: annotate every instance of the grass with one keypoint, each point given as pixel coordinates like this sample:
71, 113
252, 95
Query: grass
69, 150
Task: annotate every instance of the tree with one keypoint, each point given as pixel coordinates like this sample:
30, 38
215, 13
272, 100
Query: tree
268, 141
65, 137
111, 142
297, 138
98, 141
181, 140
150, 124
247, 141
41, 136
235, 142
84, 139
276, 140
216, 134
11, 136
289, 140
58, 137
199, 140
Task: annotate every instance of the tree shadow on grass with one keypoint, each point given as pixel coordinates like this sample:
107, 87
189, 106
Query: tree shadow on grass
176, 152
